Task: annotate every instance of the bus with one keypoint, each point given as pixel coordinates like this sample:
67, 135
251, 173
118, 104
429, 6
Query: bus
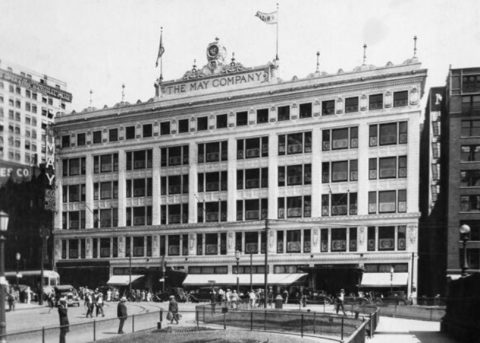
31, 278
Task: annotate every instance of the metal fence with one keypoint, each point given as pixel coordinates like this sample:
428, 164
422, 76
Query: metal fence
350, 328
86, 332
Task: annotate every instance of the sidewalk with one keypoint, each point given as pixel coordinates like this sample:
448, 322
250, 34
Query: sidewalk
396, 330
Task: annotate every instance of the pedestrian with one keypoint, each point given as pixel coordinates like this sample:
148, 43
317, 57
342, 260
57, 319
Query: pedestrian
28, 294
213, 301
99, 303
109, 295
340, 301
173, 309
90, 304
122, 314
270, 296
149, 296
51, 301
11, 300
252, 298
285, 296
63, 316
235, 299
228, 298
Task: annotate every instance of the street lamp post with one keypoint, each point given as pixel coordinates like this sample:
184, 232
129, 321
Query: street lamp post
44, 234
392, 270
17, 258
237, 256
3, 281
464, 234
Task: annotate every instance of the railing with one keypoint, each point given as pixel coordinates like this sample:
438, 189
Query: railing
349, 328
87, 332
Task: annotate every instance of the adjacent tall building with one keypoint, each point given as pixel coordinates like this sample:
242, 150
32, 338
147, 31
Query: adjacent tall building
228, 163
450, 179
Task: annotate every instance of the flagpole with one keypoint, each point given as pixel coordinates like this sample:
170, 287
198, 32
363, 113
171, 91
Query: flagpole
278, 19
161, 57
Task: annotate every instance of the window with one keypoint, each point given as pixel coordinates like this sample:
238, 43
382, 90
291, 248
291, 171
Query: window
130, 132
471, 83
386, 238
34, 108
328, 107
305, 110
65, 141
372, 202
252, 148
212, 182
402, 166
470, 153
174, 214
242, 118
202, 123
139, 187
470, 128
400, 99
97, 137
283, 113
183, 125
340, 138
222, 121
81, 139
147, 130
177, 184
339, 239
262, 116
470, 203
388, 134
297, 207
294, 241
139, 216
252, 178
295, 143
351, 105
388, 167
141, 159
387, 201
470, 178
213, 152
375, 102
174, 156
105, 163
470, 104
215, 211
73, 166
255, 209
165, 128
113, 135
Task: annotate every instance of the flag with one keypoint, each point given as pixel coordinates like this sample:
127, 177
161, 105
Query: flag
269, 18
161, 50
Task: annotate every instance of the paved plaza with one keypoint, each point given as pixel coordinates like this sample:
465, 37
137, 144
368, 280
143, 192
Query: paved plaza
389, 330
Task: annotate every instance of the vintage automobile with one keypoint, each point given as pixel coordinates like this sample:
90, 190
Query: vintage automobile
69, 292
352, 300
392, 298
319, 298
178, 292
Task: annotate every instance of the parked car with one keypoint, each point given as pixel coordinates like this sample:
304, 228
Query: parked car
348, 300
203, 294
178, 292
69, 292
319, 298
392, 298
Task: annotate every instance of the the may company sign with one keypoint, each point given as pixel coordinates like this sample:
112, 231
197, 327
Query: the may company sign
218, 82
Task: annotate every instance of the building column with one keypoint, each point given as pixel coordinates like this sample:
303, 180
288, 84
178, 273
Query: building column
122, 189
273, 176
316, 173
232, 180
193, 180
156, 185
89, 203
363, 180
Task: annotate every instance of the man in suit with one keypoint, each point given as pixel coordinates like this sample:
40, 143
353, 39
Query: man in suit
122, 314
173, 307
63, 316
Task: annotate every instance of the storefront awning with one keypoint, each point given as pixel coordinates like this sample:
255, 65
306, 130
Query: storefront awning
384, 279
122, 280
202, 280
454, 276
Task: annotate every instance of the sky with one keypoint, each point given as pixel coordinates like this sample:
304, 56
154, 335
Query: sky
99, 45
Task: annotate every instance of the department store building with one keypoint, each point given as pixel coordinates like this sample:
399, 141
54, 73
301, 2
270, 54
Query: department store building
190, 177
